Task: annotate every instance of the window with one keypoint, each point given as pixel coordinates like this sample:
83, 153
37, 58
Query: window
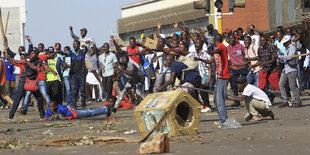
306, 5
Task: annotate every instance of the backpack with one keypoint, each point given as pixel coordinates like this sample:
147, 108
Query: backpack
189, 62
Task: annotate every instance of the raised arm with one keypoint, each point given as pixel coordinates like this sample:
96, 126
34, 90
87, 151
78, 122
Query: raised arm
159, 28
72, 34
306, 26
10, 53
118, 49
176, 26
29, 43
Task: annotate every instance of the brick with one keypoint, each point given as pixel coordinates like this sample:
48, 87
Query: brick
159, 144
255, 12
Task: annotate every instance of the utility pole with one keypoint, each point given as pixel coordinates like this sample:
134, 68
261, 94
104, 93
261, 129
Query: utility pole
205, 4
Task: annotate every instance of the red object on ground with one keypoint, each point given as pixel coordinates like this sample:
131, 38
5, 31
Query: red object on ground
125, 104
111, 119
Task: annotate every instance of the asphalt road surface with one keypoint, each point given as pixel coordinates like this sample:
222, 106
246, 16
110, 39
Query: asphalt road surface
289, 133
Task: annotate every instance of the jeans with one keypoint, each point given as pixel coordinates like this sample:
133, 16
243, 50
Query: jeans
234, 76
90, 112
78, 85
220, 93
252, 78
67, 89
20, 93
289, 79
127, 86
43, 90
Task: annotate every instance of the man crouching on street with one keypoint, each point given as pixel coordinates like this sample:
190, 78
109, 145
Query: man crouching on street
57, 109
256, 101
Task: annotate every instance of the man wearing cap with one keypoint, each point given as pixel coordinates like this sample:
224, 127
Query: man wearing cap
53, 85
87, 41
256, 101
41, 77
289, 73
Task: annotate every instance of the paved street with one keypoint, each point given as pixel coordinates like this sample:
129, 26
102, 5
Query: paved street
287, 134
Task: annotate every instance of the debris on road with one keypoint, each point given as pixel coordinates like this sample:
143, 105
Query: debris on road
86, 140
130, 132
159, 144
48, 132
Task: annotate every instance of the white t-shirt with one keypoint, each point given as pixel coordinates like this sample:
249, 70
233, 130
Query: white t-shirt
252, 91
255, 39
192, 49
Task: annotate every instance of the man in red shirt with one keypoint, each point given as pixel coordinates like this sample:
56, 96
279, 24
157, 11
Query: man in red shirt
132, 50
236, 53
41, 77
220, 57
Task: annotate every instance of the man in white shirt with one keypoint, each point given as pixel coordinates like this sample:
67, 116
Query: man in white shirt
87, 41
256, 101
254, 36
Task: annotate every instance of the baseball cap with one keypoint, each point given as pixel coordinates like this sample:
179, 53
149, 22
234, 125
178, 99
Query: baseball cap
241, 79
286, 39
51, 49
35, 50
83, 29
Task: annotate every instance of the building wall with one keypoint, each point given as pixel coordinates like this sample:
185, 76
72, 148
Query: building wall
168, 30
16, 24
285, 11
153, 6
255, 12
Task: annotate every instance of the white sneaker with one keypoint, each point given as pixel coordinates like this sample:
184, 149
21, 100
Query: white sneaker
9, 121
206, 109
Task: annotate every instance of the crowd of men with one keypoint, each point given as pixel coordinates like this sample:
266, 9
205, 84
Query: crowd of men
249, 62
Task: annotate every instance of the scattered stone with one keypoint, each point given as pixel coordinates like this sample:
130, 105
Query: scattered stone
48, 132
159, 144
130, 132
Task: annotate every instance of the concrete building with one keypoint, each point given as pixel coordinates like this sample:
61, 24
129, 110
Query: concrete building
16, 24
266, 15
142, 17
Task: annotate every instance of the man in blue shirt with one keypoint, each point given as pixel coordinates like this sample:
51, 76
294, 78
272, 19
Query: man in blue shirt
71, 113
9, 77
178, 70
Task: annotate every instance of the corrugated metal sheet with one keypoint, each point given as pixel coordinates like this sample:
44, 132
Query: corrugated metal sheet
164, 16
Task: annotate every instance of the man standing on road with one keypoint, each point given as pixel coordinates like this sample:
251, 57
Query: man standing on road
107, 61
236, 53
269, 72
223, 75
289, 73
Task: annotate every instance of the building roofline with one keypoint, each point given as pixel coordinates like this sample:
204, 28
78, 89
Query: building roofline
141, 2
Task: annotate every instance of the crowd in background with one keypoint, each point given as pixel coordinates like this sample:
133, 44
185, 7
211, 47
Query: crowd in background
193, 58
